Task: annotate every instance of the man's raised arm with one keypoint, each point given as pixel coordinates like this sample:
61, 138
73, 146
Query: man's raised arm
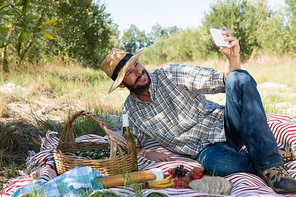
231, 52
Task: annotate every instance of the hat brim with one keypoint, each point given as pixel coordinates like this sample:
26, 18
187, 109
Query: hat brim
122, 72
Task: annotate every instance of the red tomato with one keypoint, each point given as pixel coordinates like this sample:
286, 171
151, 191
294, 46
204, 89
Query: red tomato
198, 175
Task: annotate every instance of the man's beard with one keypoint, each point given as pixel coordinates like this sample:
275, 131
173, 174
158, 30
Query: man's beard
139, 89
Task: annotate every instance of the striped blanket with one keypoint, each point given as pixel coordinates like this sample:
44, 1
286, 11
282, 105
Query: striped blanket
41, 167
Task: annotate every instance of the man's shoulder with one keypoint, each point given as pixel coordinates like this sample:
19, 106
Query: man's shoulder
171, 66
128, 99
127, 104
177, 66
166, 69
174, 70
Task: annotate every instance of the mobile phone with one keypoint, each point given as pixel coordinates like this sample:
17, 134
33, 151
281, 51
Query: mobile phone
218, 37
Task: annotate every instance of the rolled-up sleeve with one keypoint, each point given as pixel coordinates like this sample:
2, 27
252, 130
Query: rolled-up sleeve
198, 79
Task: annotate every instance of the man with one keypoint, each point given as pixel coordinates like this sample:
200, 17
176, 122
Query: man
169, 106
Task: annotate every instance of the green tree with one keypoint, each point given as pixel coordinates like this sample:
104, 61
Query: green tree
290, 28
273, 36
181, 46
86, 32
157, 31
242, 17
22, 23
134, 39
174, 29
154, 54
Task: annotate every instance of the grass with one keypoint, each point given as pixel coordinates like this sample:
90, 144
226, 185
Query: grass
12, 173
74, 87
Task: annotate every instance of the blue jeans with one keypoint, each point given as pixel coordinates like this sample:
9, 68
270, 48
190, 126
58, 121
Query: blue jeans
245, 123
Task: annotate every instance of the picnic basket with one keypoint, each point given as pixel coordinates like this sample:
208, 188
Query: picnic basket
66, 160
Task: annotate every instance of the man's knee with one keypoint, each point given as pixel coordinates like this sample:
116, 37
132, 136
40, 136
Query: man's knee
240, 77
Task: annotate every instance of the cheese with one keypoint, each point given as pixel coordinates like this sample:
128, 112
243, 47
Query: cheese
158, 173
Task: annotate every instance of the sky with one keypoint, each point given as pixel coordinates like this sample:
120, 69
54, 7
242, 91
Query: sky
167, 13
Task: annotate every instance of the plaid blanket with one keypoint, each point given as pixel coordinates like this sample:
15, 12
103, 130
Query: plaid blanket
75, 182
40, 171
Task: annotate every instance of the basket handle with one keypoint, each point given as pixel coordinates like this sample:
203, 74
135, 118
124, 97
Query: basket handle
68, 134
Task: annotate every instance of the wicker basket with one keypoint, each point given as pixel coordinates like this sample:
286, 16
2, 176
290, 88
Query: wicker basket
65, 160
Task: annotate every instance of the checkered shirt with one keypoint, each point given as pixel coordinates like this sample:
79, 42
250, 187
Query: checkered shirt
179, 116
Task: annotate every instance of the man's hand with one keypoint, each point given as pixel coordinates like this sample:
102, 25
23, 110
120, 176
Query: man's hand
231, 52
152, 155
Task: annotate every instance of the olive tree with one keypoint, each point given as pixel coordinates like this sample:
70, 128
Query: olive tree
85, 32
134, 39
22, 24
243, 17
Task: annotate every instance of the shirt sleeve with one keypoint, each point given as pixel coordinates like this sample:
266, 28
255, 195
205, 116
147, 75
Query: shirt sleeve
196, 78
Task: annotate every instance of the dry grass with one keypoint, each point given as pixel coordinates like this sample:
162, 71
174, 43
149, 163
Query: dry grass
12, 146
108, 103
71, 82
276, 79
93, 94
273, 69
3, 106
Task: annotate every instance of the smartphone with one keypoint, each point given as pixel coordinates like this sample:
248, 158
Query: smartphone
218, 37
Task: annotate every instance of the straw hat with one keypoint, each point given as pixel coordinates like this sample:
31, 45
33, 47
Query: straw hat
116, 63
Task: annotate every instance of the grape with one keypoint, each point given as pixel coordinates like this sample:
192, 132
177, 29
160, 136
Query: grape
181, 167
173, 172
178, 171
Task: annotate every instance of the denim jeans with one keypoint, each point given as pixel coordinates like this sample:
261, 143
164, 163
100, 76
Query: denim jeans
245, 123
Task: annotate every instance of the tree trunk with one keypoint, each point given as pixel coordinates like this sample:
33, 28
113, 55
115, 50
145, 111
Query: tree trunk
5, 65
22, 55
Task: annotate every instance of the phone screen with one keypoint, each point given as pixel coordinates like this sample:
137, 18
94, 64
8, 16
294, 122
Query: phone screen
218, 37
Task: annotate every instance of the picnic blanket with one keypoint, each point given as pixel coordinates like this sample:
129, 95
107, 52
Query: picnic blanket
40, 168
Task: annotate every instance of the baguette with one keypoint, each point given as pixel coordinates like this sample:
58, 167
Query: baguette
126, 179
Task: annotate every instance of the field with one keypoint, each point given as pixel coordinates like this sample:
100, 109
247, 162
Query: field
44, 98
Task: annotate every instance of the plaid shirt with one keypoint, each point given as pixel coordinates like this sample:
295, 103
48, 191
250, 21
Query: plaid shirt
179, 115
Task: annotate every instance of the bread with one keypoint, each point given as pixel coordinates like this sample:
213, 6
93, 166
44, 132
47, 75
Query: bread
211, 185
227, 187
126, 179
222, 184
200, 185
